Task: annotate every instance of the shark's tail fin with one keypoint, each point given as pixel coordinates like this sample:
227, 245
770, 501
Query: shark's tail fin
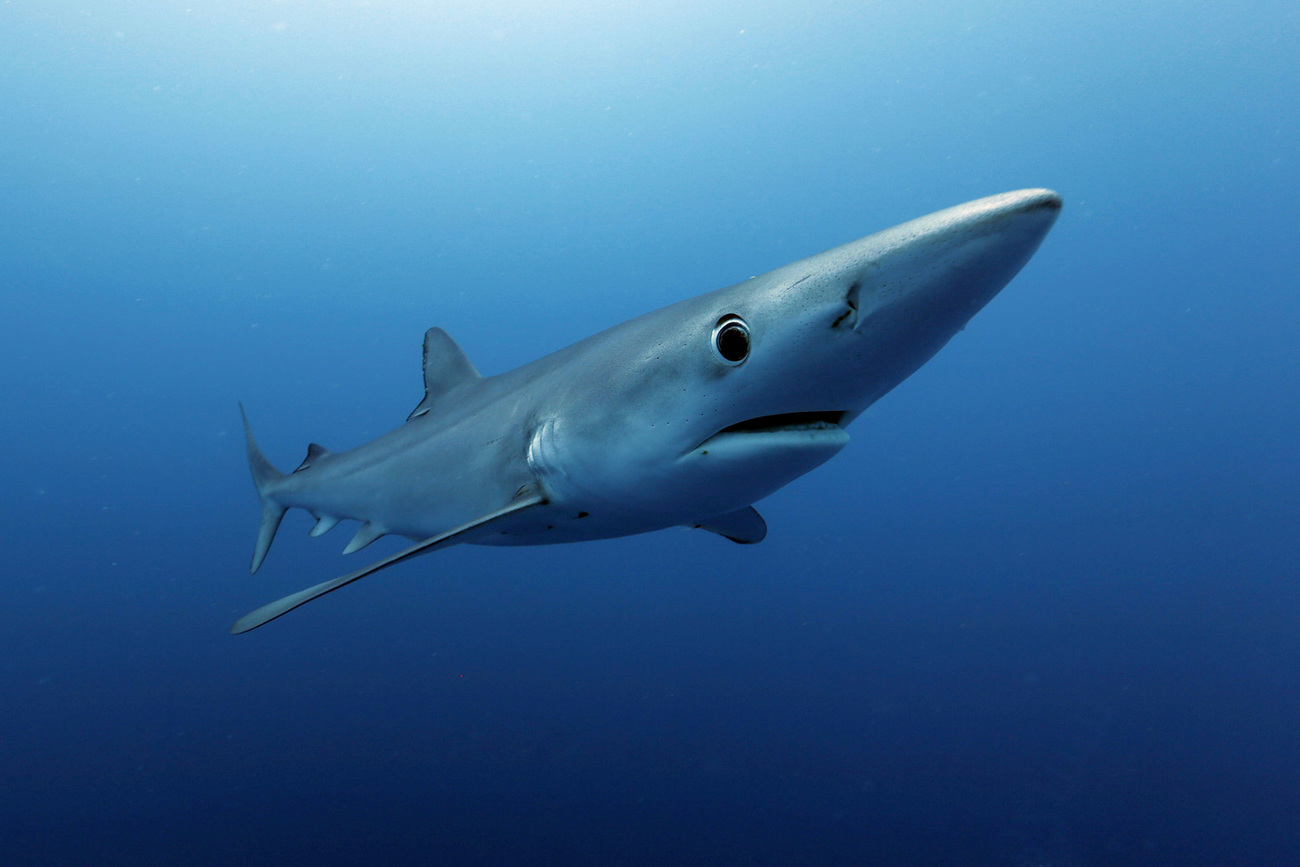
263, 474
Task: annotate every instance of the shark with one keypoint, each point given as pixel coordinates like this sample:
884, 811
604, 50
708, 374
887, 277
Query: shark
682, 417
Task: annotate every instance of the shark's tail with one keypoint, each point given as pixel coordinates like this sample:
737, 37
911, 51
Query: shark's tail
272, 512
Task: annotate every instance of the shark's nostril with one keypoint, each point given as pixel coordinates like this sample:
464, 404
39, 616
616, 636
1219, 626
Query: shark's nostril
849, 318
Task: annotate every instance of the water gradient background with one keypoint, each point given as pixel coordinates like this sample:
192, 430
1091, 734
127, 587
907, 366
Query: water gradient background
1042, 611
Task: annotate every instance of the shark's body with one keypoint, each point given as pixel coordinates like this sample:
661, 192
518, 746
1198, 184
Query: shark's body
684, 416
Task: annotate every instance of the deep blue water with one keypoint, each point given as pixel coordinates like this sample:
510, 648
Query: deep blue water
1042, 611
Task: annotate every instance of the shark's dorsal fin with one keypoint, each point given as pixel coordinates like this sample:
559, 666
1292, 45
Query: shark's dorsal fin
445, 366
315, 451
745, 526
527, 498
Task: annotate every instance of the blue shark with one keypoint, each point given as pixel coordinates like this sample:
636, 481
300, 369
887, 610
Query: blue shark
685, 416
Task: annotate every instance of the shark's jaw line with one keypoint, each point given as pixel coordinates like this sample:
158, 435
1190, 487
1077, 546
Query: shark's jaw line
774, 427
684, 416
787, 421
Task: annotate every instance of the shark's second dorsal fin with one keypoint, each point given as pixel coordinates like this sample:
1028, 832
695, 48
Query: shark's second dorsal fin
445, 366
315, 451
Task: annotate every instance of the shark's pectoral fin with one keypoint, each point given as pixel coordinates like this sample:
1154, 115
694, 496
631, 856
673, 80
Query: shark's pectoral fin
527, 499
445, 366
745, 526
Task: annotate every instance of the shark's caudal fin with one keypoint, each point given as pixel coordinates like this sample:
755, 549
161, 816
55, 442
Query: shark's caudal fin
477, 528
272, 512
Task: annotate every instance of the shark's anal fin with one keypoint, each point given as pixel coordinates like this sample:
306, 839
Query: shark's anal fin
745, 526
474, 529
445, 366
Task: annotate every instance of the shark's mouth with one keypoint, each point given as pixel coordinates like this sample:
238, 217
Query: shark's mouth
788, 432
786, 421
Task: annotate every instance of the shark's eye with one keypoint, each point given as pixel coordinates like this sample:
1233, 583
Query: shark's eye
731, 339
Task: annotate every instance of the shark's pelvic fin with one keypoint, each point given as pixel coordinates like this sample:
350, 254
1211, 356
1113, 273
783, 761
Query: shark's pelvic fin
368, 533
263, 474
745, 526
445, 366
324, 524
467, 532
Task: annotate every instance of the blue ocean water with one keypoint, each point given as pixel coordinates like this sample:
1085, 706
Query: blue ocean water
1042, 611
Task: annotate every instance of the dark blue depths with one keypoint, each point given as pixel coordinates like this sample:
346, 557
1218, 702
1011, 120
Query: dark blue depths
1040, 612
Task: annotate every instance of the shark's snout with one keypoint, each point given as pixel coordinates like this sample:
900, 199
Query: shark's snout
893, 299
973, 248
1029, 199
948, 265
1022, 218
1012, 225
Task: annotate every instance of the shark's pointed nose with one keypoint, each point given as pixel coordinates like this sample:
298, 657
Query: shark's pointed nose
1016, 217
960, 256
916, 285
1034, 198
1012, 226
987, 240
1043, 206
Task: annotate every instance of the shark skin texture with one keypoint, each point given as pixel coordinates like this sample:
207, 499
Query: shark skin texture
685, 416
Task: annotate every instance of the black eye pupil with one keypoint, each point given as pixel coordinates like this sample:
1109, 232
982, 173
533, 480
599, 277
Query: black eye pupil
733, 343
